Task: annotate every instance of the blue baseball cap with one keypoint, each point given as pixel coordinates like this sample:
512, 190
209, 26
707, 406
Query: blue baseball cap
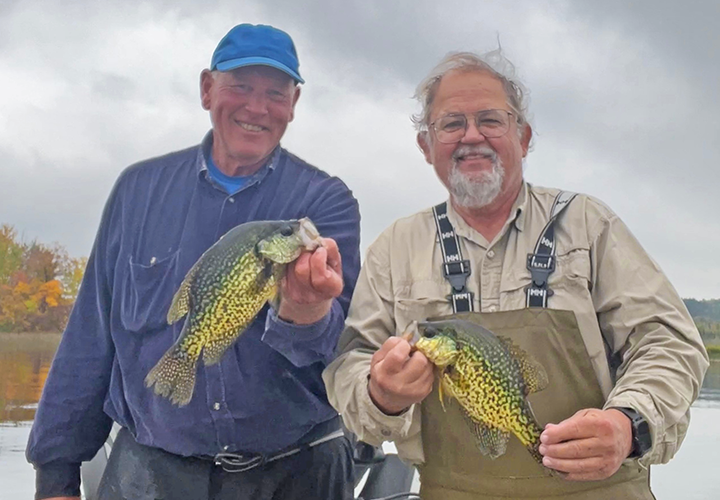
249, 45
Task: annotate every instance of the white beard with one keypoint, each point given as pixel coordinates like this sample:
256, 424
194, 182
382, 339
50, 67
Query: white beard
476, 190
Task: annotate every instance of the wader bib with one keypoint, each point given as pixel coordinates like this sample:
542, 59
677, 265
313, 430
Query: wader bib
454, 468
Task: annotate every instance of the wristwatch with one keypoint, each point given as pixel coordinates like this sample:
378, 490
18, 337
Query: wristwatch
641, 438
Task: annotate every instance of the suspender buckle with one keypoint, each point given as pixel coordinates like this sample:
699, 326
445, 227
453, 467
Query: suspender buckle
457, 273
540, 267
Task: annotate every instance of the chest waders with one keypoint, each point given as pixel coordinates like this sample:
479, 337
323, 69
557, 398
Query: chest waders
454, 468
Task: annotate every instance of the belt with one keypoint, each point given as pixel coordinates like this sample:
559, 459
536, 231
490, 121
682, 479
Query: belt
235, 462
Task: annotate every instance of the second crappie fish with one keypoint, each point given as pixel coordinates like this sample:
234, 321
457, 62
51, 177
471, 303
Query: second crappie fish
221, 295
490, 377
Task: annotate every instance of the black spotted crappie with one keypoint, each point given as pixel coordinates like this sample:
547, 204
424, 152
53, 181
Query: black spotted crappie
490, 377
221, 295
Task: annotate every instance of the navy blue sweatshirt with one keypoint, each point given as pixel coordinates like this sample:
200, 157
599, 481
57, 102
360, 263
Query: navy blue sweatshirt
267, 391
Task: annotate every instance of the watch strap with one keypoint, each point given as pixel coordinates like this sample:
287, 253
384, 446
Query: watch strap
641, 439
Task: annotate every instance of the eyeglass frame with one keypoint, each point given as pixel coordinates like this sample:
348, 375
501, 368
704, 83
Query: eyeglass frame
431, 125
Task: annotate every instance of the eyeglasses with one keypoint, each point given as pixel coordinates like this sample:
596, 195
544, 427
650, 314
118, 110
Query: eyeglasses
489, 122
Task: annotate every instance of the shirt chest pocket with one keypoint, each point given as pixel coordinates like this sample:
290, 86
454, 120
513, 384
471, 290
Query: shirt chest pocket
570, 282
147, 291
419, 301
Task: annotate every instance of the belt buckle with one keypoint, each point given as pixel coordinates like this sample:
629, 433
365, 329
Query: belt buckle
232, 462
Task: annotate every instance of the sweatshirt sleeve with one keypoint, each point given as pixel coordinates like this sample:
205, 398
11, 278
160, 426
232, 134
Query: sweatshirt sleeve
70, 424
336, 215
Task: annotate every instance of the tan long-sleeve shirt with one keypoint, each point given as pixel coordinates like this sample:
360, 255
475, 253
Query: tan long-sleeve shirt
623, 302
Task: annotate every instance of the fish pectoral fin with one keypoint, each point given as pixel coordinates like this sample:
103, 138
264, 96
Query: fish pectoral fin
534, 375
491, 441
441, 394
180, 304
446, 389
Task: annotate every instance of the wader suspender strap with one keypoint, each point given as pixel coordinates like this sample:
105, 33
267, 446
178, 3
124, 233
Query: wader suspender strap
455, 269
542, 263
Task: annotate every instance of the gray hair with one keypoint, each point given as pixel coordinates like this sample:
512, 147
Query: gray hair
493, 62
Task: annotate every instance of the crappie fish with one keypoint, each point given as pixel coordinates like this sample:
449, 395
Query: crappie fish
221, 295
490, 377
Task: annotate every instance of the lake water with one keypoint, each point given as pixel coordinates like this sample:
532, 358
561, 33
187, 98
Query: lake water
694, 473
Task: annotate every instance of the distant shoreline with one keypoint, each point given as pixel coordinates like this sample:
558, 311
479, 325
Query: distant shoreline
31, 333
713, 350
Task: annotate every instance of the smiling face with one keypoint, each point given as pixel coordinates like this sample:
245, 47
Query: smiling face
476, 170
250, 108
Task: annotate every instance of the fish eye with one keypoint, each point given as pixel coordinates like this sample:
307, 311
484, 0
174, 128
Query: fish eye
286, 231
430, 332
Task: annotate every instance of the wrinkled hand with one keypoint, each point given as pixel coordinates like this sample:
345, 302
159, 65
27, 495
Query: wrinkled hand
311, 283
590, 445
399, 377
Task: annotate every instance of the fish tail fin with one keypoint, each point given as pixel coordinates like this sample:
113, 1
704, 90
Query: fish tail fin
174, 376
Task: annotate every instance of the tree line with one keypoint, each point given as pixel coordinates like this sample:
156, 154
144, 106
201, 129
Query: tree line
706, 314
38, 284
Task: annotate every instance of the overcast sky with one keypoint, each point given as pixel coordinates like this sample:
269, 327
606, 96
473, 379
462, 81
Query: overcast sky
624, 104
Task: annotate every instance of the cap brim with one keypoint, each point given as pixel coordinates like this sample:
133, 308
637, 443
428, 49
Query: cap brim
257, 61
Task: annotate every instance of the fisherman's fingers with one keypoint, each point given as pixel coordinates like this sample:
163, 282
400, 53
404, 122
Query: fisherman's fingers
325, 281
418, 366
334, 259
574, 449
385, 348
583, 424
583, 469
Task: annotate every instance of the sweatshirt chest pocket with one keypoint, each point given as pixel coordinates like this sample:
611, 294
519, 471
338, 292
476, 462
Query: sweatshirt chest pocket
147, 291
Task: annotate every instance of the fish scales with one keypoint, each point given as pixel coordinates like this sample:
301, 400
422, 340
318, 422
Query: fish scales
223, 293
490, 377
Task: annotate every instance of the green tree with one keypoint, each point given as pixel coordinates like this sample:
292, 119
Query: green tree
11, 253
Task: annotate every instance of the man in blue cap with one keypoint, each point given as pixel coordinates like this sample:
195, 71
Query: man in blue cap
259, 424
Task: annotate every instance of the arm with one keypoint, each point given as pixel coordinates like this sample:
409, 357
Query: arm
662, 362
315, 294
663, 359
371, 356
70, 425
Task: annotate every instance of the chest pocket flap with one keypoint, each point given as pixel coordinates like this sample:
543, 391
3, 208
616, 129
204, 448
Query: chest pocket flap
147, 291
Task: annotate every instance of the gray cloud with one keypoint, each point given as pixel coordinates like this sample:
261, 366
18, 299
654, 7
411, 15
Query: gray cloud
623, 97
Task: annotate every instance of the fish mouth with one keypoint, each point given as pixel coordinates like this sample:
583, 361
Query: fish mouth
309, 235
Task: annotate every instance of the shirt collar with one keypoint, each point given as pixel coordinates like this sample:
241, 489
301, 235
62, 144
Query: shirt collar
517, 214
205, 151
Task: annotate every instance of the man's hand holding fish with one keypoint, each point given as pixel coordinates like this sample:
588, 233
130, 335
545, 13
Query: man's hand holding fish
311, 283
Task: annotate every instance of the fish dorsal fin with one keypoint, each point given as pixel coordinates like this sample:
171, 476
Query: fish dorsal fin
535, 376
491, 441
181, 300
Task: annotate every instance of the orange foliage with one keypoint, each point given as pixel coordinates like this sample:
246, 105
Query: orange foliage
38, 284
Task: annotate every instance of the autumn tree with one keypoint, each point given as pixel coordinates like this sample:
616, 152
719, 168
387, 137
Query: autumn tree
38, 284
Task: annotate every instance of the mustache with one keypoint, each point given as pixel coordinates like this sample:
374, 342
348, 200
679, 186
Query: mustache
466, 150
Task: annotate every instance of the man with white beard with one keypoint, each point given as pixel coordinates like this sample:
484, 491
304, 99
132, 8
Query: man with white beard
558, 274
